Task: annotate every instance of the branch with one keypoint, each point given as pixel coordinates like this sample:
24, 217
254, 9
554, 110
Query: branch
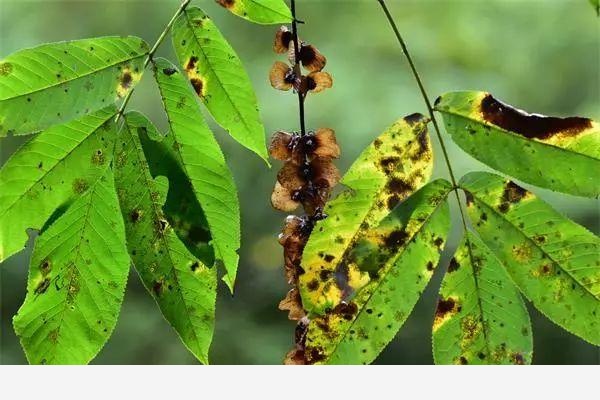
297, 70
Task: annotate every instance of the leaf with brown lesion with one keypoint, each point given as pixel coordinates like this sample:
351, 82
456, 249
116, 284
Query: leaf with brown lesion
396, 164
561, 154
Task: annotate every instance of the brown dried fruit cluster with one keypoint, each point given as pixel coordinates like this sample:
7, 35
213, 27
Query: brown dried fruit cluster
286, 77
308, 174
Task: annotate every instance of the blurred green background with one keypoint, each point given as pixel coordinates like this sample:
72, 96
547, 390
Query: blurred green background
542, 56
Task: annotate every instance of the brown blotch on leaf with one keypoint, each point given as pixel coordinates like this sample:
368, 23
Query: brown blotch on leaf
531, 126
135, 215
98, 157
346, 310
42, 286
226, 3
198, 86
512, 194
194, 267
5, 68
395, 239
126, 80
80, 186
454, 265
518, 359
157, 288
389, 164
446, 306
191, 64
45, 267
169, 71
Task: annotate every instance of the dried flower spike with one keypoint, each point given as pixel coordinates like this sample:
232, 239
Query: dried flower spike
286, 146
316, 82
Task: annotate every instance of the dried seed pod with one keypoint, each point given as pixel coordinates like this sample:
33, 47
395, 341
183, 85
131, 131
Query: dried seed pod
282, 76
318, 171
327, 146
293, 304
281, 199
281, 145
283, 38
309, 57
316, 82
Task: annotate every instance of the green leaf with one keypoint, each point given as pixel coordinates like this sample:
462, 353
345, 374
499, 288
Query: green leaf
480, 316
400, 255
49, 172
181, 284
182, 209
76, 282
57, 82
202, 160
392, 167
561, 154
259, 11
552, 260
219, 78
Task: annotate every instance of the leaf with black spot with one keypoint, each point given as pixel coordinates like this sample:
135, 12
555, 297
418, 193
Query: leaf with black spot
182, 285
219, 78
57, 82
561, 154
480, 317
49, 172
392, 167
198, 154
552, 260
398, 255
77, 278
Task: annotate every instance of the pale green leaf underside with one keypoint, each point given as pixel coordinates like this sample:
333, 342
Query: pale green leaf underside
554, 153
204, 164
480, 318
400, 254
219, 78
49, 172
392, 167
77, 279
54, 83
260, 11
553, 260
183, 287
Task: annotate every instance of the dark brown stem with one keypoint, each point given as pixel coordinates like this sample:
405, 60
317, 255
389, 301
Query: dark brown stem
297, 70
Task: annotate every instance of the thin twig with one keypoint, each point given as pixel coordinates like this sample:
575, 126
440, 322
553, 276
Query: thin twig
158, 42
297, 70
428, 104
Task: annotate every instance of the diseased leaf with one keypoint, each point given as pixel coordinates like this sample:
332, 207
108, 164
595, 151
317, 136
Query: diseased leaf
201, 158
552, 260
397, 163
561, 154
182, 209
480, 316
57, 82
49, 172
76, 282
259, 11
219, 78
181, 284
399, 254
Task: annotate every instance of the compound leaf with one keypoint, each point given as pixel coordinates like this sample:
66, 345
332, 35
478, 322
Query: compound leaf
553, 260
392, 167
181, 284
400, 255
203, 162
219, 78
561, 154
76, 282
54, 83
49, 172
259, 11
480, 316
